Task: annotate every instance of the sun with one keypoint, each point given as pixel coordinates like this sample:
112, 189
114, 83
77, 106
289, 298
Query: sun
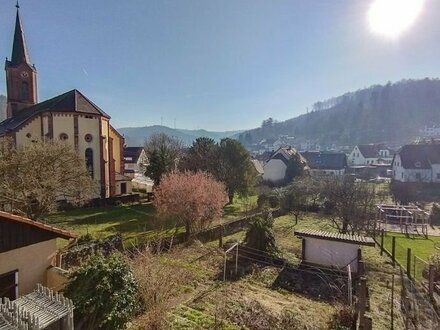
392, 17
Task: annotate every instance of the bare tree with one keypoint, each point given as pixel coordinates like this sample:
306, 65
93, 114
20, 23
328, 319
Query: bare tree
352, 203
35, 177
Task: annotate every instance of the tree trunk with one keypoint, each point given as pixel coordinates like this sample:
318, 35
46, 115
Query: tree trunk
231, 197
296, 219
187, 230
344, 227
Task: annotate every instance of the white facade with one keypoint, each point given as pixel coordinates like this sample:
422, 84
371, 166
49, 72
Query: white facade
274, 170
413, 174
330, 253
356, 158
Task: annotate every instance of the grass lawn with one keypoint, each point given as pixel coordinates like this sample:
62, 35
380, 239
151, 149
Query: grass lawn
420, 246
134, 222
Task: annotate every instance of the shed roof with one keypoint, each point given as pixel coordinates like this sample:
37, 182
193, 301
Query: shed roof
329, 236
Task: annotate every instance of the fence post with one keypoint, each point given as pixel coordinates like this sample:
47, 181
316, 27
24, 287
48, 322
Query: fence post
381, 242
408, 263
220, 239
362, 301
368, 323
392, 303
431, 280
393, 251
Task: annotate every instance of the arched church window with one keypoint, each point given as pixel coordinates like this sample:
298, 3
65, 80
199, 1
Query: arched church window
24, 90
89, 160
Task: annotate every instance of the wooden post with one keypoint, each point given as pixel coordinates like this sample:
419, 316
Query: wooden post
368, 323
392, 303
220, 239
393, 251
381, 242
431, 280
362, 301
408, 263
303, 250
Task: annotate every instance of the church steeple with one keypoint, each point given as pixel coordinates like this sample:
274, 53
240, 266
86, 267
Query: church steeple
20, 53
21, 75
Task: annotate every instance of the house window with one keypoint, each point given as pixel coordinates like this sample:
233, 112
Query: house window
89, 161
24, 90
418, 176
9, 285
402, 175
438, 176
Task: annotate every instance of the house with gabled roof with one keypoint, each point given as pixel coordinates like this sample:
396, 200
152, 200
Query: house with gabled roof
28, 252
370, 154
323, 163
417, 163
70, 117
135, 161
276, 165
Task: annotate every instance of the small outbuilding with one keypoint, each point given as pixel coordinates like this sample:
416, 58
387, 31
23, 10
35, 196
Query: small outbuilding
332, 250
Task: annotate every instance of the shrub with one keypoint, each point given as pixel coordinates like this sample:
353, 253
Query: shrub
343, 318
434, 217
260, 235
104, 292
267, 200
190, 199
435, 261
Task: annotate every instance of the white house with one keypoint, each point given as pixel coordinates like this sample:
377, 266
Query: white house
417, 163
370, 154
275, 167
135, 160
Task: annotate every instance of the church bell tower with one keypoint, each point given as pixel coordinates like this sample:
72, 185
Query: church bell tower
21, 75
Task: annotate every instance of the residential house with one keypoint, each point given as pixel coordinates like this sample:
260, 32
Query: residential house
70, 117
417, 163
325, 163
275, 167
27, 253
370, 154
135, 161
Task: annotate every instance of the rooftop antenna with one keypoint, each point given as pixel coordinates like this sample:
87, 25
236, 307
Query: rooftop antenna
17, 5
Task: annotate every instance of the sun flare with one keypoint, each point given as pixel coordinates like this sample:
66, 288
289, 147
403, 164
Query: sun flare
392, 17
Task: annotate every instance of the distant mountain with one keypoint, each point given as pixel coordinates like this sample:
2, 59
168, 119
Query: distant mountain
136, 136
393, 113
2, 108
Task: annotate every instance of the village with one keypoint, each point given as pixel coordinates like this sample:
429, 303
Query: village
219, 234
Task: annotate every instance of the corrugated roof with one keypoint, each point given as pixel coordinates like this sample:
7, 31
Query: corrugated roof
71, 101
329, 236
5, 216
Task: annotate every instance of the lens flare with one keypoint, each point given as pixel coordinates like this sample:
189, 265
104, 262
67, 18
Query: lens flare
392, 17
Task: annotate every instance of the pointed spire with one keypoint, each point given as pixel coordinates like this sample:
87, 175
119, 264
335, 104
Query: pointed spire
19, 51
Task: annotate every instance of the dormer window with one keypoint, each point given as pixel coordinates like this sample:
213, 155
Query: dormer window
417, 164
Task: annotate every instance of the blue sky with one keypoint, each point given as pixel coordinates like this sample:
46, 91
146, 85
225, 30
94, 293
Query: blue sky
217, 65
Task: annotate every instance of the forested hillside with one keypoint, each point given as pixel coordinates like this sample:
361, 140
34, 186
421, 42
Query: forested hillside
392, 113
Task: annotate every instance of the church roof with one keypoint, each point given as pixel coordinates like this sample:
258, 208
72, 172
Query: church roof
20, 53
72, 101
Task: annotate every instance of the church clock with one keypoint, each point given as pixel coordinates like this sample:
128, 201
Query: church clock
24, 74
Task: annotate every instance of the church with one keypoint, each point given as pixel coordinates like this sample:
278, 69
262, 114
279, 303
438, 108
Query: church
69, 117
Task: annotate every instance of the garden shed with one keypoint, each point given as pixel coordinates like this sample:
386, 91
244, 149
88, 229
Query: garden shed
333, 250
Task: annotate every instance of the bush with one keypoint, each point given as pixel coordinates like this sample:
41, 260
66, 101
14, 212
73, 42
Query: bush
260, 235
266, 200
435, 261
104, 292
434, 217
343, 318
